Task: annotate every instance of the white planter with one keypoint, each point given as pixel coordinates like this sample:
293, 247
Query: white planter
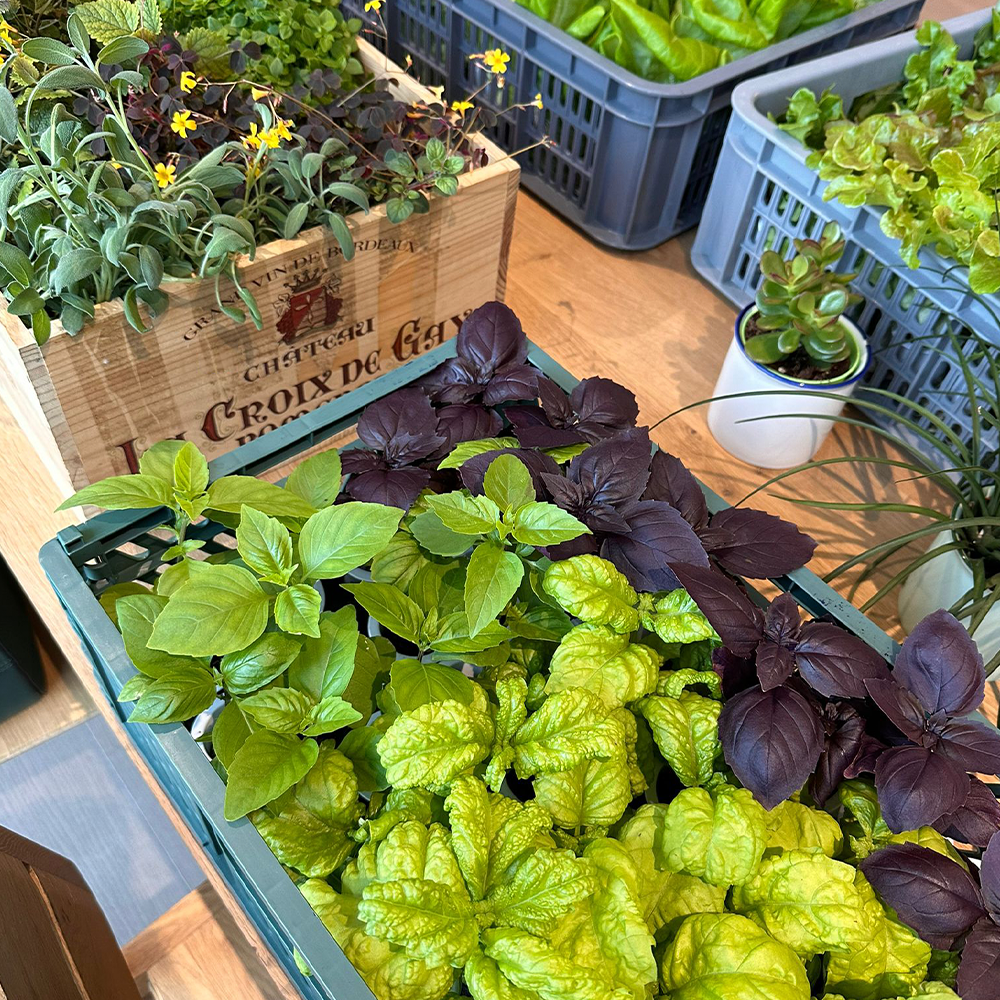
778, 442
939, 583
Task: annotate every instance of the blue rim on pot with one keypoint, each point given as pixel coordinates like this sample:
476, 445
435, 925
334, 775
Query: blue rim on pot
865, 360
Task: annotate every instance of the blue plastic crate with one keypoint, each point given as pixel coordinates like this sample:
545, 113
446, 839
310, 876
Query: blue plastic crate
633, 160
765, 196
119, 546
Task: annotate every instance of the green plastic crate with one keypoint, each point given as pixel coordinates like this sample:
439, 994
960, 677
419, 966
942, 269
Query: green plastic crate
118, 546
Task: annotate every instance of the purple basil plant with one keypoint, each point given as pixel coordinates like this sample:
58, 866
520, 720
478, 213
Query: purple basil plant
646, 511
812, 703
947, 906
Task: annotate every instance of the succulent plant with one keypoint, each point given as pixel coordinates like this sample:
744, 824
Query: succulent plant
800, 302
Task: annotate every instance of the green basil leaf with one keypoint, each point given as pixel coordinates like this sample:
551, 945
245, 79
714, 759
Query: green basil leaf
491, 580
436, 537
390, 607
230, 493
317, 479
461, 453
229, 733
282, 710
326, 663
134, 492
296, 610
175, 697
266, 547
265, 766
259, 663
507, 483
136, 616
538, 523
219, 611
465, 515
329, 715
345, 536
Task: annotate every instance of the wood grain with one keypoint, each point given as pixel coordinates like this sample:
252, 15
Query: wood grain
196, 952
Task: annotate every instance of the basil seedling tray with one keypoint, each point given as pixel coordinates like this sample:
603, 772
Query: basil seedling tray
765, 196
120, 546
632, 160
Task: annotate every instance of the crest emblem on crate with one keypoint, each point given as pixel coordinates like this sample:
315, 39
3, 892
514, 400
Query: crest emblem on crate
309, 303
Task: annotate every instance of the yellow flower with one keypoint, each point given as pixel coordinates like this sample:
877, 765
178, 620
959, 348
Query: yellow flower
182, 123
537, 102
252, 141
5, 30
271, 137
375, 5
282, 128
496, 60
257, 93
461, 106
165, 176
116, 165
188, 81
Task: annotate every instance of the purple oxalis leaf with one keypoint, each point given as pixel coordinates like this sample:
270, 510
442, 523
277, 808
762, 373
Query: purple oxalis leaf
979, 971
732, 614
657, 538
974, 745
900, 707
753, 544
670, 481
845, 730
932, 894
941, 664
916, 787
976, 820
989, 875
835, 663
772, 741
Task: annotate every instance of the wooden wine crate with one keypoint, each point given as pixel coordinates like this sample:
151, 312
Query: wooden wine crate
91, 403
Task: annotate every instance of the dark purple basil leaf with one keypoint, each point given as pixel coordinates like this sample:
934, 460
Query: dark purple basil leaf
556, 406
600, 517
603, 406
737, 672
771, 740
491, 337
900, 707
916, 787
616, 470
733, 615
468, 422
766, 546
835, 663
581, 545
539, 465
844, 730
775, 664
354, 461
989, 875
976, 820
658, 537
670, 481
866, 759
932, 894
453, 381
566, 494
979, 971
782, 619
973, 745
402, 426
393, 487
716, 539
511, 383
544, 436
941, 665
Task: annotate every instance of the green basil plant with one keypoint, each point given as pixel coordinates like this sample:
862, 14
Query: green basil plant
517, 787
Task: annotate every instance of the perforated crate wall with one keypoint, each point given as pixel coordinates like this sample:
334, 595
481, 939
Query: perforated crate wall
632, 160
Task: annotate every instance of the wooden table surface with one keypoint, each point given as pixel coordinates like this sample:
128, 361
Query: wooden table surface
644, 319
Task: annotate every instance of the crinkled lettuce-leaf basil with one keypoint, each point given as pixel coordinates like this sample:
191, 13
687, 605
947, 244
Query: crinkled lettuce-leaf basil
794, 826
686, 729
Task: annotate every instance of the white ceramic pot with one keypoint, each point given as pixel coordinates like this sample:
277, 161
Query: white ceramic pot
779, 442
939, 583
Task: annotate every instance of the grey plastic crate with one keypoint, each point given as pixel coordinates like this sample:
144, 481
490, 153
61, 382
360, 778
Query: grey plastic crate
119, 546
633, 160
765, 196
